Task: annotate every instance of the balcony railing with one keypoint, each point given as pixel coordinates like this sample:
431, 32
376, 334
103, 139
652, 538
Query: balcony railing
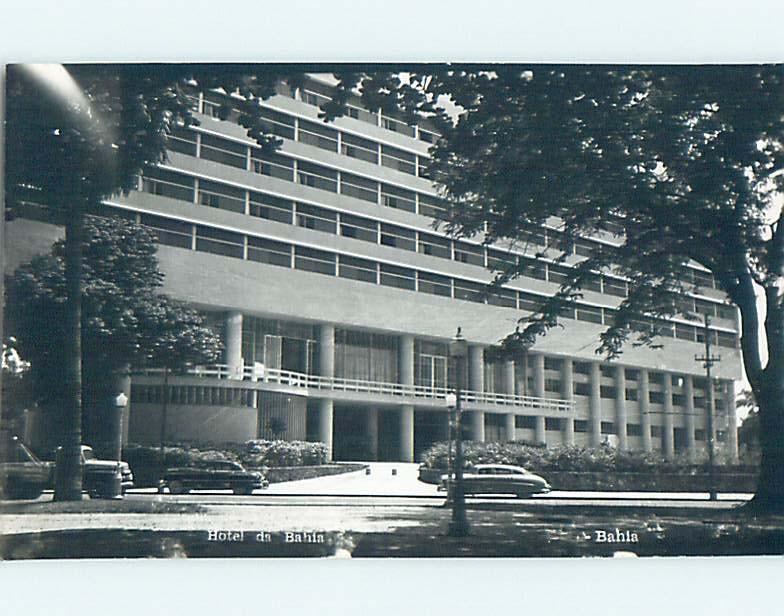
288, 378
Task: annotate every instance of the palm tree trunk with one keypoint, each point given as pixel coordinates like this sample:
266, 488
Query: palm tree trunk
68, 476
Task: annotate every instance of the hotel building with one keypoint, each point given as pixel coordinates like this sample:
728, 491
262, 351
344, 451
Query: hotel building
337, 298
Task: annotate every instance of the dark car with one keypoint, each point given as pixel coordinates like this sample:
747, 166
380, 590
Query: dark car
22, 474
100, 475
212, 475
500, 479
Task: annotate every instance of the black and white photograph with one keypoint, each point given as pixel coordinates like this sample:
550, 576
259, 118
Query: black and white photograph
408, 310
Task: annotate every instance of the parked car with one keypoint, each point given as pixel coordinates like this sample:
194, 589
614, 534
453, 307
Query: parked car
99, 474
500, 479
22, 474
212, 475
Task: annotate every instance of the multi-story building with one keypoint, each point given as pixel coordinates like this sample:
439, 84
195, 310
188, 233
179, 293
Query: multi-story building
337, 299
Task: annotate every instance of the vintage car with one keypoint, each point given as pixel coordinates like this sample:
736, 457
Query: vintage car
99, 475
22, 474
212, 475
500, 479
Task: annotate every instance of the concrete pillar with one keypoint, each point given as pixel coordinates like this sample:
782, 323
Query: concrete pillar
477, 426
732, 421
620, 407
567, 393
233, 352
668, 438
509, 385
689, 417
521, 374
371, 427
326, 418
476, 368
643, 392
595, 405
510, 431
407, 433
406, 359
540, 434
327, 350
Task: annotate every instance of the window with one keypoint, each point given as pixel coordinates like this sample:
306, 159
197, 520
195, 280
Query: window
608, 427
434, 245
269, 251
398, 237
502, 297
613, 286
358, 187
592, 282
725, 312
581, 426
427, 136
470, 291
558, 274
678, 400
430, 206
583, 248
552, 424
400, 277
530, 302
397, 126
219, 242
277, 123
685, 332
273, 165
270, 207
552, 363
704, 279
398, 159
182, 140
581, 367
501, 261
631, 374
313, 98
581, 389
699, 434
357, 269
656, 431
357, 147
525, 421
398, 198
358, 113
533, 268
167, 184
633, 430
318, 135
552, 385
535, 237
727, 340
169, 232
703, 307
607, 391
359, 228
316, 218
317, 176
589, 314
631, 394
435, 284
469, 253
312, 260
656, 397
221, 196
224, 151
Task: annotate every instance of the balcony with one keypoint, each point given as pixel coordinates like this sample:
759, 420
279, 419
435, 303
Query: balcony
355, 390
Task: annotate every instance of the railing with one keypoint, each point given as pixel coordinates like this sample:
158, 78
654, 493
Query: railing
289, 378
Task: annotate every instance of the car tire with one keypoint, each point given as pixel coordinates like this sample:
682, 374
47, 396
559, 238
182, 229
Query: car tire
177, 487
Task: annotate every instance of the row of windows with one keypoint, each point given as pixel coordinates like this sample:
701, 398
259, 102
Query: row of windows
179, 186
323, 136
241, 246
193, 395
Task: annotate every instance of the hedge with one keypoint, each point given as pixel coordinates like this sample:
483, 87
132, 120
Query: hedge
145, 460
604, 458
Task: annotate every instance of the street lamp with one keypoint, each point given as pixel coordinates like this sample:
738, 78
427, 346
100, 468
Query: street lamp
458, 525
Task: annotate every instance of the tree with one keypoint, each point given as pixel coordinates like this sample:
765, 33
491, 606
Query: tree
681, 164
125, 320
75, 137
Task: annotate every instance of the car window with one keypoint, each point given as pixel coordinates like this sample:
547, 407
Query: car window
88, 454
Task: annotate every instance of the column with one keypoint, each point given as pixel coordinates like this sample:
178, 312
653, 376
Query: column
476, 382
327, 350
406, 359
233, 352
540, 435
668, 442
643, 400
371, 427
326, 416
509, 384
689, 419
732, 420
567, 393
595, 405
620, 407
407, 433
326, 368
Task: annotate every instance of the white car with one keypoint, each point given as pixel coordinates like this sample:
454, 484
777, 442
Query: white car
500, 479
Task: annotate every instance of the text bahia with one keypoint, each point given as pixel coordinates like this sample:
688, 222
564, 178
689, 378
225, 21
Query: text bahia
304, 537
618, 536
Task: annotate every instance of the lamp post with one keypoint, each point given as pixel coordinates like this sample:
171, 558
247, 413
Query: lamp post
451, 403
458, 525
708, 360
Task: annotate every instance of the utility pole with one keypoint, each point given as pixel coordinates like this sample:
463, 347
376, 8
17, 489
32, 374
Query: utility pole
708, 360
